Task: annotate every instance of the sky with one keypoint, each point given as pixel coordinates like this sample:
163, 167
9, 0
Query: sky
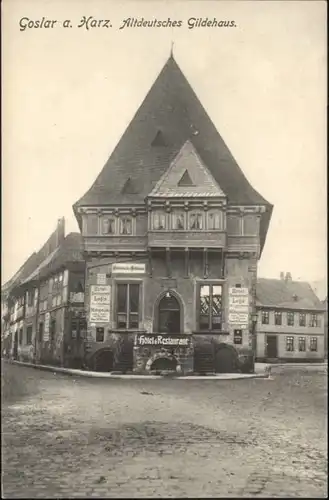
69, 94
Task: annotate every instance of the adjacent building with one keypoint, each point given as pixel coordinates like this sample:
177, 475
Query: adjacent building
172, 232
44, 309
291, 321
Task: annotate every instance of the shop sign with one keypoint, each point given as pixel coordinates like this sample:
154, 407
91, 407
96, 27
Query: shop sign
128, 268
239, 301
238, 291
162, 340
77, 297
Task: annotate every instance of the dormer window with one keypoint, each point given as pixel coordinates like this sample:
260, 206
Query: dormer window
196, 220
125, 225
214, 220
108, 225
159, 220
178, 222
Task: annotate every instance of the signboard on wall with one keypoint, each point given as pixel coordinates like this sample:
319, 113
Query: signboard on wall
128, 268
163, 340
238, 318
238, 306
101, 279
46, 327
237, 338
100, 304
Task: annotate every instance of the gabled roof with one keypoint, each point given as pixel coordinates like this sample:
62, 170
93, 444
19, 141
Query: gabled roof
187, 166
287, 294
172, 107
70, 250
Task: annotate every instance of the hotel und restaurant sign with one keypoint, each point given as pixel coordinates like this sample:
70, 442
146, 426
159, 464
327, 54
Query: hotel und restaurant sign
164, 340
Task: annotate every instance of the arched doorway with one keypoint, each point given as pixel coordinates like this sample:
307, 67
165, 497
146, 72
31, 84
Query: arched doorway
164, 364
226, 359
169, 314
103, 361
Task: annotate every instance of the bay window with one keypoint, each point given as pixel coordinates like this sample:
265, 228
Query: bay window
159, 220
126, 225
196, 220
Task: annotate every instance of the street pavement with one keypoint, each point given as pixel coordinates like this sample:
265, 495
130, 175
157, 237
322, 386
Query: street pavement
67, 437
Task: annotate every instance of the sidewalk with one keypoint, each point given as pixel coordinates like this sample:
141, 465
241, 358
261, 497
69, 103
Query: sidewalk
260, 372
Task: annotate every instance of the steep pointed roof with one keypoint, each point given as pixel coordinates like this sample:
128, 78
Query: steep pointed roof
172, 107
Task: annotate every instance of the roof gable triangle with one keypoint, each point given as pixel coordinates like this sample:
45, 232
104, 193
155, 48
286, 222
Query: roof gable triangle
187, 176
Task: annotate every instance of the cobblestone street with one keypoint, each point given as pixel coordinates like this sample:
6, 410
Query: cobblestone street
67, 437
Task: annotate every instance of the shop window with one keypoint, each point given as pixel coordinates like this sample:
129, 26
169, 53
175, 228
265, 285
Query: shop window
302, 344
100, 334
29, 335
196, 221
278, 318
108, 225
302, 319
265, 317
178, 221
290, 318
214, 220
210, 307
126, 225
159, 220
314, 320
128, 305
313, 344
289, 344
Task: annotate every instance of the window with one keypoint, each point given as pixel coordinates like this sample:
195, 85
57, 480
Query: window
159, 220
196, 220
127, 305
314, 320
21, 336
108, 225
278, 317
302, 319
313, 344
214, 220
29, 335
30, 298
249, 225
265, 317
234, 224
100, 334
301, 344
178, 220
60, 277
290, 318
210, 316
126, 225
289, 344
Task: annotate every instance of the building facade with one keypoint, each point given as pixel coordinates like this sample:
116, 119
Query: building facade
172, 233
45, 309
291, 321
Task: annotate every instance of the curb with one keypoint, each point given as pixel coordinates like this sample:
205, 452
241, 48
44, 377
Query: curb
90, 374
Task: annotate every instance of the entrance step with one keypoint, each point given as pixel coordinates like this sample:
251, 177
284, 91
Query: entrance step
204, 359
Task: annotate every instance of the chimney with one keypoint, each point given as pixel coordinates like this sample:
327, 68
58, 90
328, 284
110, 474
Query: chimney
288, 278
60, 231
282, 275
